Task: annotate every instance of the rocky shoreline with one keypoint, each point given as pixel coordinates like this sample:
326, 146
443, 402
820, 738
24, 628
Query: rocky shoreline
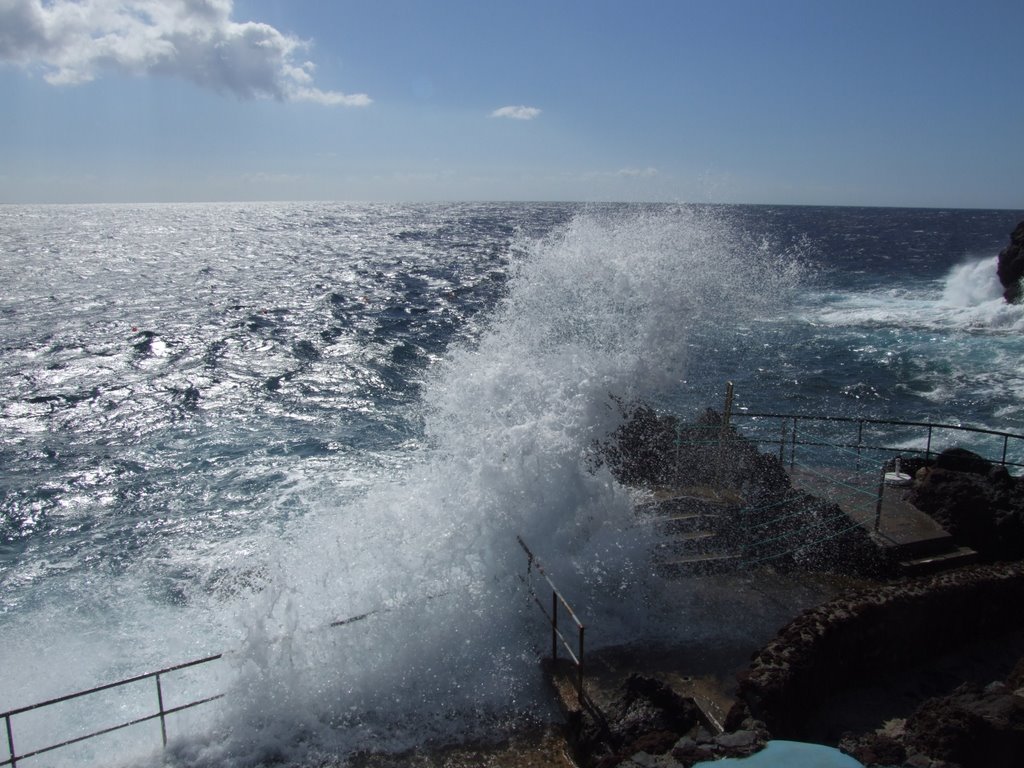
1010, 267
864, 637
925, 672
885, 673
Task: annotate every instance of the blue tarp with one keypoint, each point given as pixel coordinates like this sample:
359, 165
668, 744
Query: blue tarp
788, 754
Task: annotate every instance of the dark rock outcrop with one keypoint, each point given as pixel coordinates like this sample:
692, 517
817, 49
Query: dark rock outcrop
652, 449
1011, 266
762, 519
867, 632
649, 724
980, 504
972, 727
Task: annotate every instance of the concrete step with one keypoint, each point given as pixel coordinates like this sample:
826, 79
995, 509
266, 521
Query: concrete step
699, 564
688, 543
927, 543
681, 523
933, 563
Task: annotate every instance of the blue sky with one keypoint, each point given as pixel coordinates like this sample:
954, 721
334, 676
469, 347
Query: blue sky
894, 102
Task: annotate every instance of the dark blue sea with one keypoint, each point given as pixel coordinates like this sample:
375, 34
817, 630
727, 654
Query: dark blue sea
224, 427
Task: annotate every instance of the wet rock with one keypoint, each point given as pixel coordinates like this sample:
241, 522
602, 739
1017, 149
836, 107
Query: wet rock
650, 724
982, 506
866, 632
144, 346
874, 749
972, 727
962, 460
1010, 266
755, 515
650, 711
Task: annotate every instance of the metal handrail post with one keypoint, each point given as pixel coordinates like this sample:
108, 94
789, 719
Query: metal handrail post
792, 449
928, 447
679, 443
580, 667
10, 742
1006, 440
860, 440
554, 625
160, 701
878, 505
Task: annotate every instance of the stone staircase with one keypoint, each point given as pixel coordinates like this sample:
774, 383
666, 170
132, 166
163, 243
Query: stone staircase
692, 532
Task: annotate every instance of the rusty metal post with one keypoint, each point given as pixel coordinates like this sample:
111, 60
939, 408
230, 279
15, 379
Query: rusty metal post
723, 433
580, 667
554, 625
928, 447
10, 742
782, 444
727, 411
160, 701
792, 450
878, 504
679, 444
860, 440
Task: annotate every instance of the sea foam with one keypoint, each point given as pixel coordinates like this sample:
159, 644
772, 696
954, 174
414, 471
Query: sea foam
445, 641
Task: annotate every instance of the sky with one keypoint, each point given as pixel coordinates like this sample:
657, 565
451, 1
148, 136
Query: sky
820, 102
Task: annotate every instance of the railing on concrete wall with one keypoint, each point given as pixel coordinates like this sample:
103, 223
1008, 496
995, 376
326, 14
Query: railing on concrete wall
795, 430
557, 637
161, 712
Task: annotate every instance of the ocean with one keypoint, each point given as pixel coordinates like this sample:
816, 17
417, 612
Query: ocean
227, 427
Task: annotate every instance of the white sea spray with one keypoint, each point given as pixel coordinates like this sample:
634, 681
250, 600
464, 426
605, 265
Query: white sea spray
444, 637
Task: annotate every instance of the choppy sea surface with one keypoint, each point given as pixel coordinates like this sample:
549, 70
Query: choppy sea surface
225, 427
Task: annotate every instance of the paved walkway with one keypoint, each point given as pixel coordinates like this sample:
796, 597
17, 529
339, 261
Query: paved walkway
906, 534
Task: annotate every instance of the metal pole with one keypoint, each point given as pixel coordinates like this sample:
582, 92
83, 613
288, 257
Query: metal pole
928, 448
10, 742
554, 625
160, 701
792, 450
726, 417
679, 442
580, 689
860, 440
878, 505
727, 412
782, 443
1006, 439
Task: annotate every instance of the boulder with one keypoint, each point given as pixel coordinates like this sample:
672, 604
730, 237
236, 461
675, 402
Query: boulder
972, 727
1010, 267
981, 505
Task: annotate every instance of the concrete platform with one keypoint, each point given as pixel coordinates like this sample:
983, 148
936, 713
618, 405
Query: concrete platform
908, 536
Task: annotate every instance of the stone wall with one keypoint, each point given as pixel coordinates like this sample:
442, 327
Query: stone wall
864, 633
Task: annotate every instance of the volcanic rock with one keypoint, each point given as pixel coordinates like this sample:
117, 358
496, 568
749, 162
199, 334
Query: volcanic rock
867, 632
981, 505
982, 727
1010, 267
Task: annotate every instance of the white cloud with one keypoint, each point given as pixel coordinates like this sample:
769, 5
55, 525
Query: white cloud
516, 113
72, 41
625, 173
637, 173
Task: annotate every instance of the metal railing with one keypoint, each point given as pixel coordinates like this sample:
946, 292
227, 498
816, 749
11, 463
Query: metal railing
556, 633
162, 710
790, 438
161, 713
